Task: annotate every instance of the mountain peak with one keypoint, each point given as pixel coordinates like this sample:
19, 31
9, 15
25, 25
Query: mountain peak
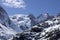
43, 15
58, 15
46, 14
31, 16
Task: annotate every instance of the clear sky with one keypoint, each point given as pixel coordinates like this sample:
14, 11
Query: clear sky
35, 7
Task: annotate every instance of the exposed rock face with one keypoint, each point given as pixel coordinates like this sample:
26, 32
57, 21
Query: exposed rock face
36, 29
4, 18
33, 19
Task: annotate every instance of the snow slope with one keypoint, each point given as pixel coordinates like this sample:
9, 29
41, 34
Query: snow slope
6, 32
22, 21
7, 27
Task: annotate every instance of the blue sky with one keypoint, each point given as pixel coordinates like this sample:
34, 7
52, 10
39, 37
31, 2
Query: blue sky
35, 7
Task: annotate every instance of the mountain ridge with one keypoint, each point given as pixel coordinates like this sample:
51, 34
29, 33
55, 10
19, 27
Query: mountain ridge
29, 27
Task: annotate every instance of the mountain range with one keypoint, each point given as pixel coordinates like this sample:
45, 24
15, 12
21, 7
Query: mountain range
29, 27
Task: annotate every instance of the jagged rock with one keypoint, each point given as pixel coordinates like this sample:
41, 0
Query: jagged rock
33, 19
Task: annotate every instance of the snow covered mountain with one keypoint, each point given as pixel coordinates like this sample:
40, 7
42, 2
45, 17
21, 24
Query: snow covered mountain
47, 30
28, 27
24, 22
44, 17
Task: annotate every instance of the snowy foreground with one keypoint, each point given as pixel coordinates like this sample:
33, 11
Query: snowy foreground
28, 27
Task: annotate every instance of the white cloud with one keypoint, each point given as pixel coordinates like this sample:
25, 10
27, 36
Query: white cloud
14, 3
